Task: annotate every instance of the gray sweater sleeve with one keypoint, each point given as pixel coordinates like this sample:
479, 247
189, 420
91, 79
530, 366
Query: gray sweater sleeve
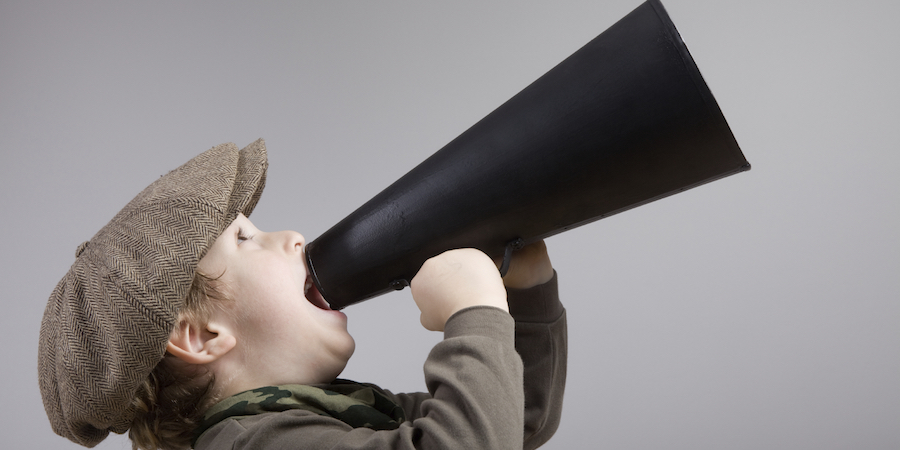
474, 377
542, 342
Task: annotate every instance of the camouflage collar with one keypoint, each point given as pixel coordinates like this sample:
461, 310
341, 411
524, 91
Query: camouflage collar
356, 404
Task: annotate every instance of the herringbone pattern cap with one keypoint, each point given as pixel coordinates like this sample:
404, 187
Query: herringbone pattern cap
107, 323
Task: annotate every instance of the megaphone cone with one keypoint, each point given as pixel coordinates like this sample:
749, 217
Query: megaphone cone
625, 120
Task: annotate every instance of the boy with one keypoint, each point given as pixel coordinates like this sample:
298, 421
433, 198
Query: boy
183, 324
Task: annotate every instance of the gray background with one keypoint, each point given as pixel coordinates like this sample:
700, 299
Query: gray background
760, 311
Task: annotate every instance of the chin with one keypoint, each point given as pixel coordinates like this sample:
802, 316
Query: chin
347, 356
350, 349
339, 361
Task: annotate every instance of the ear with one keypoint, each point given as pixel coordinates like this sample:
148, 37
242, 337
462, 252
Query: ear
200, 344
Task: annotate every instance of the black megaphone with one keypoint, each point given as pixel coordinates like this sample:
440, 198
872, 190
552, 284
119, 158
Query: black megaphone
624, 121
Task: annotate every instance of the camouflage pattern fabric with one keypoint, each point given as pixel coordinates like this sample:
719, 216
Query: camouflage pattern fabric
356, 404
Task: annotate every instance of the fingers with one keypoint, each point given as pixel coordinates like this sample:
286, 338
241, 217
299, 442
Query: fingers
455, 280
529, 266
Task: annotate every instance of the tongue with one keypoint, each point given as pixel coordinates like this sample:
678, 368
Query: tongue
316, 298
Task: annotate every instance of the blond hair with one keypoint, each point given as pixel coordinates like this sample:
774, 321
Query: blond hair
170, 403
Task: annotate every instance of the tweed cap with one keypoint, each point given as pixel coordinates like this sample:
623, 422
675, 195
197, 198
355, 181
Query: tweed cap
107, 323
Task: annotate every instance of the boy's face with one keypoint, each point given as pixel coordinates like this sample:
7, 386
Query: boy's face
284, 328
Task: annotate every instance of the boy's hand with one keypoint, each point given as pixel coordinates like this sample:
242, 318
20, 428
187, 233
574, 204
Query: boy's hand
454, 280
529, 266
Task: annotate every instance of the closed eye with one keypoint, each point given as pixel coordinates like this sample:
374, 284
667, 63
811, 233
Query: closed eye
241, 236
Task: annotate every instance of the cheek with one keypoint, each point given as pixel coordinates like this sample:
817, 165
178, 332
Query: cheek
275, 303
269, 284
272, 323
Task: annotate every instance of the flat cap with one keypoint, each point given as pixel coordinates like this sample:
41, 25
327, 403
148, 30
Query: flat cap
107, 323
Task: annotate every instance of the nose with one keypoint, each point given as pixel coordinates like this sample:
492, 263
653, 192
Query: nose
291, 241
295, 241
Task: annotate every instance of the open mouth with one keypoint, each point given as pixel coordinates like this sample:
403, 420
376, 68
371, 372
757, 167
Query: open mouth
313, 295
